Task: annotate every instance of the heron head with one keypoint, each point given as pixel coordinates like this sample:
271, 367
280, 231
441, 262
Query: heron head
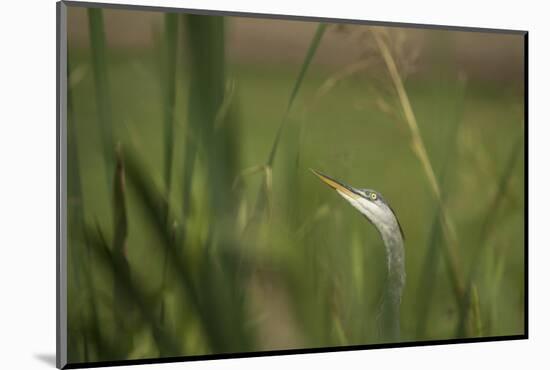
367, 201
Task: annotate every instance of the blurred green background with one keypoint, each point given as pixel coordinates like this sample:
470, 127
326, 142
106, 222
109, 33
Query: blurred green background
187, 238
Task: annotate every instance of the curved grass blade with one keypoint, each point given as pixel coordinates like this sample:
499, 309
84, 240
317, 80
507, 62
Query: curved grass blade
263, 194
313, 46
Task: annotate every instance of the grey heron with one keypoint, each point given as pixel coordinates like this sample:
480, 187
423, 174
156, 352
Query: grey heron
375, 208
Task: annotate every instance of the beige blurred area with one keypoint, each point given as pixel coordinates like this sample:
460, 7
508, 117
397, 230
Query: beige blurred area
481, 55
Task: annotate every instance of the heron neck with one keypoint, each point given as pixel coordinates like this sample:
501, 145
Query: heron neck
395, 258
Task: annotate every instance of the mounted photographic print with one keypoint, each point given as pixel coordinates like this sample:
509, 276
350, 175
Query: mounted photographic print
236, 185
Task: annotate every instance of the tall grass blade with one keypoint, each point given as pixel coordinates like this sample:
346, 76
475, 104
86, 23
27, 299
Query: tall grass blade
477, 328
168, 71
81, 259
263, 194
77, 254
120, 233
420, 150
120, 218
207, 88
169, 93
102, 88
313, 46
74, 188
429, 268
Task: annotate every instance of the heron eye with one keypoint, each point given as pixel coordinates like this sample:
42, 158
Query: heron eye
373, 196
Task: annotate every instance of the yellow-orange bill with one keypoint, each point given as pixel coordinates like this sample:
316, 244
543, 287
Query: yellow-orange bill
335, 184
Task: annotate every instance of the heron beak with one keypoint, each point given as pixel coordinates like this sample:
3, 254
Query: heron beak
337, 185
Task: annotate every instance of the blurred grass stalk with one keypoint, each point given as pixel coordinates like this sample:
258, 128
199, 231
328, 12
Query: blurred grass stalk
487, 226
102, 89
168, 71
87, 326
120, 234
79, 265
169, 93
419, 149
114, 172
212, 136
475, 313
210, 133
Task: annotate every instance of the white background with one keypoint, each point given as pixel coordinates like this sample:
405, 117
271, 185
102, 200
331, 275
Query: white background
27, 182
